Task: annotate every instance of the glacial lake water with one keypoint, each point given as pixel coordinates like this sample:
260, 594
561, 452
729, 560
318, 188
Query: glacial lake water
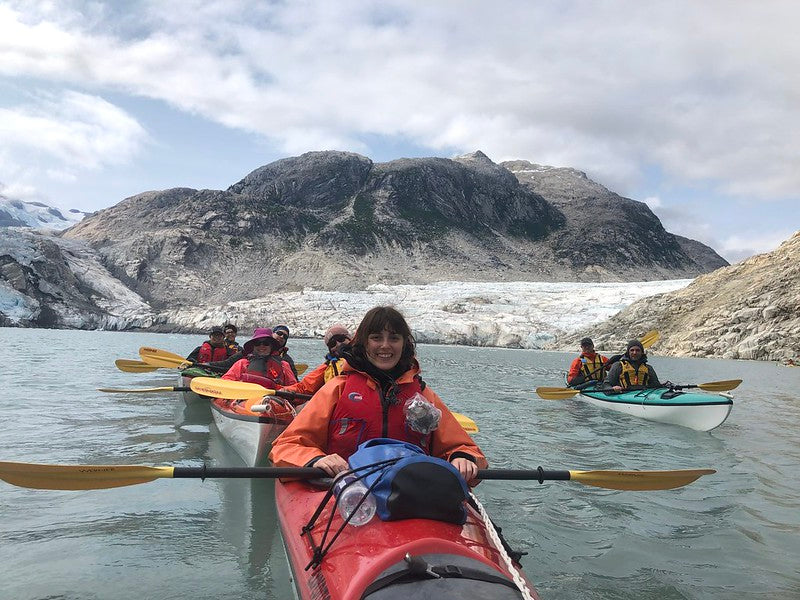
734, 534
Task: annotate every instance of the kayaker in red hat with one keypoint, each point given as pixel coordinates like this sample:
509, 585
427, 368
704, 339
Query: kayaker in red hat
262, 363
379, 395
589, 366
335, 339
632, 372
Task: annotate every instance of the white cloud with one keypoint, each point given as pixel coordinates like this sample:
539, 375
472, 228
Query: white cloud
705, 90
76, 129
18, 191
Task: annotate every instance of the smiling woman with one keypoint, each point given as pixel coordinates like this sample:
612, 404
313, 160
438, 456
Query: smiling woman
380, 395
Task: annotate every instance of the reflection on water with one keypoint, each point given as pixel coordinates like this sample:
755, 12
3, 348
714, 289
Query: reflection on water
249, 523
732, 534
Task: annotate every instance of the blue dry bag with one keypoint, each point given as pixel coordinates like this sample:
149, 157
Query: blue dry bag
416, 486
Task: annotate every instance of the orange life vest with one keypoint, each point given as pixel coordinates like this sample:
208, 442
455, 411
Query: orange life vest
209, 353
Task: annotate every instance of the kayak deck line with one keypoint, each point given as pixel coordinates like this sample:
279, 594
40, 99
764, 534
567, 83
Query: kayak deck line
611, 396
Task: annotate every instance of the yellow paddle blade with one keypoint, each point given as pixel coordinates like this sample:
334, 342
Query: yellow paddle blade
137, 390
639, 480
301, 368
147, 350
556, 393
720, 386
83, 477
134, 366
163, 358
467, 423
650, 338
233, 390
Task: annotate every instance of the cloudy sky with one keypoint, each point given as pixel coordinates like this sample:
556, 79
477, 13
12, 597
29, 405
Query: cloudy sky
691, 106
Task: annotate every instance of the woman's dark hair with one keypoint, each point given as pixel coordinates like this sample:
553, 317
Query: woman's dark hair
376, 320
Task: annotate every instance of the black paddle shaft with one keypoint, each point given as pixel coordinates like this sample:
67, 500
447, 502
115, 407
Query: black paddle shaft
292, 395
204, 472
247, 472
541, 475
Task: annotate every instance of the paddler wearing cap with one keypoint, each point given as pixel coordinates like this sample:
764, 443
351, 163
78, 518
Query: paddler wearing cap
262, 363
281, 335
631, 372
589, 366
213, 349
335, 338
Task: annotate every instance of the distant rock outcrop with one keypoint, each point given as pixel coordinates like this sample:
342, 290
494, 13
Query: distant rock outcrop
336, 220
749, 310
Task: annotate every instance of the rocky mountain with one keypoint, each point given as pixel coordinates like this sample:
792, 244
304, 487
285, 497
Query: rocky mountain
46, 281
337, 220
749, 310
604, 230
16, 213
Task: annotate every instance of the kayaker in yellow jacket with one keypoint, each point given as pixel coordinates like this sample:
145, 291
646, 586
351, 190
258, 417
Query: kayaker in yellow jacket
380, 395
589, 366
631, 372
335, 339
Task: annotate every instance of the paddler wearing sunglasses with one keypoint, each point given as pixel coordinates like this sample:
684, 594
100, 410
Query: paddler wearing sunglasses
281, 335
336, 338
262, 363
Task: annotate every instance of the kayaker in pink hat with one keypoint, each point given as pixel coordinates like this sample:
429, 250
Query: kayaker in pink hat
335, 339
379, 395
262, 363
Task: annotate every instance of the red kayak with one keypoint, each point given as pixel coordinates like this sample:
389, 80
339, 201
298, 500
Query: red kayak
409, 559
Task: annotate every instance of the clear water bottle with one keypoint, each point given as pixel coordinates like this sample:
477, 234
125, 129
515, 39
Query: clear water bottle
349, 491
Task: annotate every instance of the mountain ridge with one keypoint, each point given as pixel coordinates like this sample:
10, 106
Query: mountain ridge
338, 220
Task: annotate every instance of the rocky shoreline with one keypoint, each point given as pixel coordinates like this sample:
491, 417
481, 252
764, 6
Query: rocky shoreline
750, 310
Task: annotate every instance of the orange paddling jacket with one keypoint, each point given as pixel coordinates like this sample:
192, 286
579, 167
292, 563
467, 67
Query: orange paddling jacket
313, 433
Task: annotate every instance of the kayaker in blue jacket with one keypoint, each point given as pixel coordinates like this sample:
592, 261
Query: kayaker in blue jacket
631, 372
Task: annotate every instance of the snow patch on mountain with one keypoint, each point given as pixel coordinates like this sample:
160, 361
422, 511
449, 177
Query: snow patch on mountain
16, 213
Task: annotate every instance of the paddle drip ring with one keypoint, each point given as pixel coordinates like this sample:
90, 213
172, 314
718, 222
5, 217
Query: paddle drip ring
540, 471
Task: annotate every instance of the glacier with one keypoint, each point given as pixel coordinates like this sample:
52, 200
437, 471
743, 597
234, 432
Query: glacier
512, 314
